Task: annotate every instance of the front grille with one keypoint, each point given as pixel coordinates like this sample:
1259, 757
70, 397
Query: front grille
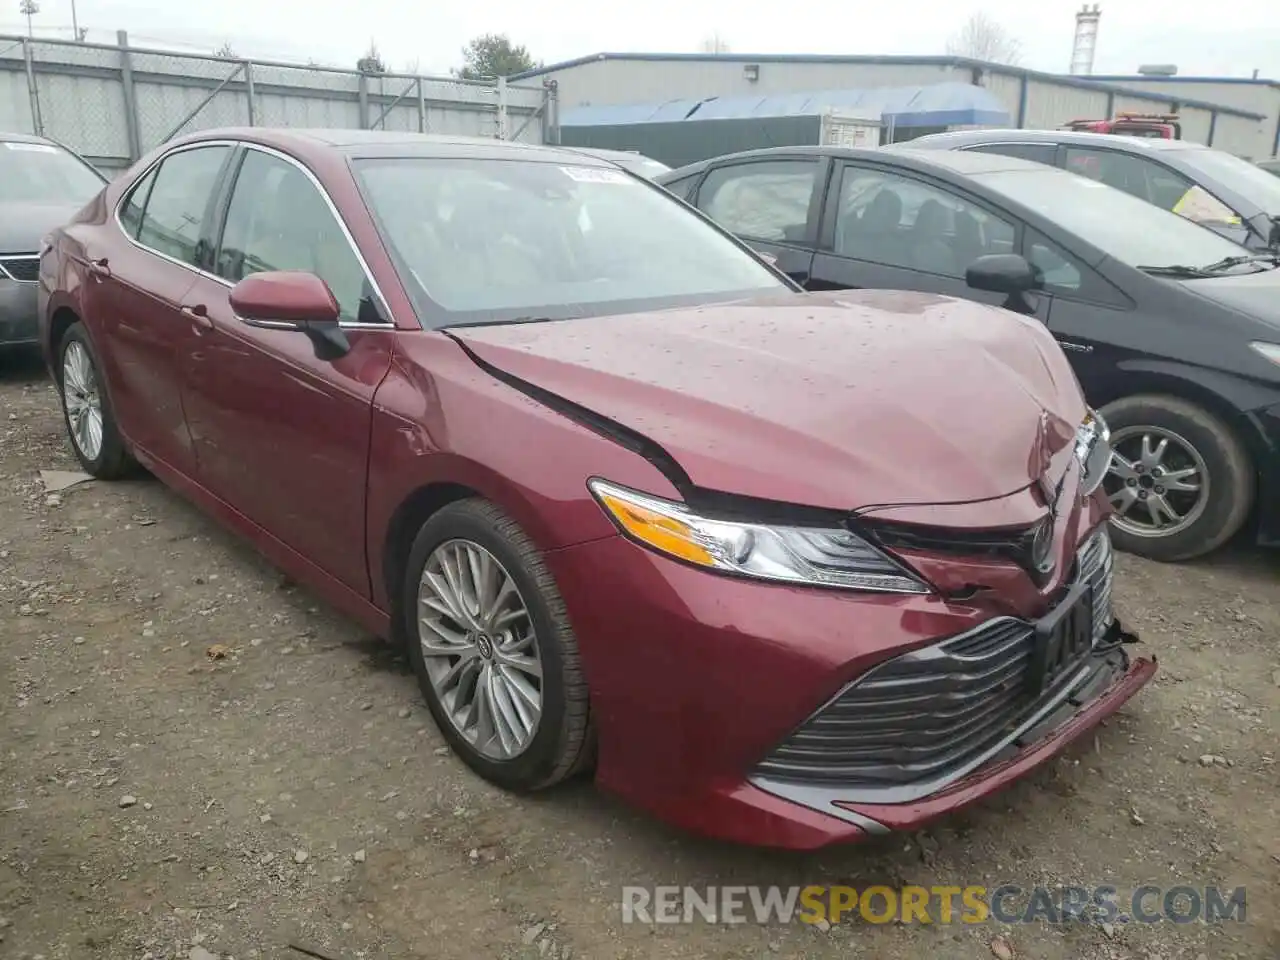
25, 268
928, 715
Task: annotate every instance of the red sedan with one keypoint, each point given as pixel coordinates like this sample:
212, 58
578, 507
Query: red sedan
787, 569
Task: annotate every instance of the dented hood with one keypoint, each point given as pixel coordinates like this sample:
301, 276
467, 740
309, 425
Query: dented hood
843, 400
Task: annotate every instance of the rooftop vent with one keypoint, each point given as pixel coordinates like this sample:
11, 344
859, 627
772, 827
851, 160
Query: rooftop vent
1158, 70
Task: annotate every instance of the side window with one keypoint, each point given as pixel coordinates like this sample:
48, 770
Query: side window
682, 187
1153, 182
174, 215
888, 219
278, 220
765, 200
1067, 276
1036, 152
131, 212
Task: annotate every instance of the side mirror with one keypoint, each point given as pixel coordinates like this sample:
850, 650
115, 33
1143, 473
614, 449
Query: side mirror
285, 300
292, 300
1006, 273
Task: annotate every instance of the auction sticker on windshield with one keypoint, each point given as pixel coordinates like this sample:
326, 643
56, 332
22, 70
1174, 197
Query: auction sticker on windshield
595, 175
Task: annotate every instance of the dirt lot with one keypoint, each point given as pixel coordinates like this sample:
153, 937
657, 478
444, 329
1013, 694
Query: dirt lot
296, 791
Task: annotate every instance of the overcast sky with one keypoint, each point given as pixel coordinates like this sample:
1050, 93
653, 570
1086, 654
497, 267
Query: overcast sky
1228, 37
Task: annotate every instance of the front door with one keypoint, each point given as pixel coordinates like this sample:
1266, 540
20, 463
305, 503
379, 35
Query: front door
136, 292
772, 206
280, 434
889, 231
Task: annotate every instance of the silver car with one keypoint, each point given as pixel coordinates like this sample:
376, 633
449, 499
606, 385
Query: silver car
42, 185
636, 163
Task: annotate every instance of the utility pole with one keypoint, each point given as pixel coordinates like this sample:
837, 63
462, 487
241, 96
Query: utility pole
29, 8
75, 24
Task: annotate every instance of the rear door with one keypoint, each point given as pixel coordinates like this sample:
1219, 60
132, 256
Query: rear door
772, 204
136, 296
280, 434
890, 230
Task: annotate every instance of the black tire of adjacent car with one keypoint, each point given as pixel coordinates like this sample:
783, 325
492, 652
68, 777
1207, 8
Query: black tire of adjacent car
563, 744
114, 461
1231, 475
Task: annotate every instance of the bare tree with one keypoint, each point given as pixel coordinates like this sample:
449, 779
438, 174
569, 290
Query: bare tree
29, 8
714, 44
981, 38
225, 52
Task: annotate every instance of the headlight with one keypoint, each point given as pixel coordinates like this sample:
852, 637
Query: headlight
1093, 450
1269, 350
815, 556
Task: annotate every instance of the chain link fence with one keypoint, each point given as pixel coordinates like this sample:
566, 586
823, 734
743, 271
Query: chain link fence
112, 104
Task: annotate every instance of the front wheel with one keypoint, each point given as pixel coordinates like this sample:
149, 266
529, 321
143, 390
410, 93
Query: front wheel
91, 423
1181, 483
493, 650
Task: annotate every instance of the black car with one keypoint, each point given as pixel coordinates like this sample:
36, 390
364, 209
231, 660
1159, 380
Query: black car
1212, 187
1173, 330
42, 184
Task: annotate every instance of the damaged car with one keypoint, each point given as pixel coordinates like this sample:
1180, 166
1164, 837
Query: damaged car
782, 568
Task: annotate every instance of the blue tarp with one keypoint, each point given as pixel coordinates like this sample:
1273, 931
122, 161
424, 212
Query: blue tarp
934, 105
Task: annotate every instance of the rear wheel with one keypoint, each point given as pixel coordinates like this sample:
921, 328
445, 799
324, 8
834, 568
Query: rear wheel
492, 648
91, 423
1181, 483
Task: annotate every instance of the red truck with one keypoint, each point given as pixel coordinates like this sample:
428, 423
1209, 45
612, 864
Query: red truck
1157, 126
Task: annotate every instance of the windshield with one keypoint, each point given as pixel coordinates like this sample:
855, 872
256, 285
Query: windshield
1130, 230
1245, 178
42, 173
500, 240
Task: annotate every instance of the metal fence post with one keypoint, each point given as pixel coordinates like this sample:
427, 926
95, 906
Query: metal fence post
248, 86
553, 109
502, 108
130, 97
363, 104
37, 121
422, 108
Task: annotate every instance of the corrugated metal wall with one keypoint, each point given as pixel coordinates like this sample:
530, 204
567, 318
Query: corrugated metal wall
112, 104
615, 81
1049, 102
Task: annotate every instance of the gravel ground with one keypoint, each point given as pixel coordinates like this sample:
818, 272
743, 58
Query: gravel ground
198, 760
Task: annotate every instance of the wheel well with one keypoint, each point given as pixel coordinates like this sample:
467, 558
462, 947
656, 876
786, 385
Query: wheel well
1135, 383
63, 319
401, 532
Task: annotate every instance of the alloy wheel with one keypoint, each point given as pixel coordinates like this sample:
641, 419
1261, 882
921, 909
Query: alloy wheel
480, 649
1158, 483
82, 400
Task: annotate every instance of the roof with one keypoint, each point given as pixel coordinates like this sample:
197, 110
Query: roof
5, 135
1082, 138
933, 105
1156, 78
967, 63
375, 143
964, 163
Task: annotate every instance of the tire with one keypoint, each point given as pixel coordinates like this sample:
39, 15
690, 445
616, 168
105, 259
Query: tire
562, 741
111, 460
1226, 489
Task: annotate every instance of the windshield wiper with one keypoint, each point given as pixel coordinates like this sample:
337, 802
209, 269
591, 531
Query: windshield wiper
1226, 263
1177, 271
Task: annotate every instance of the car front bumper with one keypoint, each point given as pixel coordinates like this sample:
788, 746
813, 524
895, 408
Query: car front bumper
1266, 423
698, 679
18, 312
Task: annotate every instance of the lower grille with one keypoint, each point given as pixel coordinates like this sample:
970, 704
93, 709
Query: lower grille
921, 717
25, 269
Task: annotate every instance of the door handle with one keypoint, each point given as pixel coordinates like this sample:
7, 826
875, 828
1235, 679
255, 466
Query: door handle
199, 317
99, 269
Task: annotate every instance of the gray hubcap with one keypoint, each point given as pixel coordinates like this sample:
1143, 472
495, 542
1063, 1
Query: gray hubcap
82, 401
479, 648
1158, 482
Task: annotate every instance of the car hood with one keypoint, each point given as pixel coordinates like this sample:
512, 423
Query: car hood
1254, 294
23, 225
843, 400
